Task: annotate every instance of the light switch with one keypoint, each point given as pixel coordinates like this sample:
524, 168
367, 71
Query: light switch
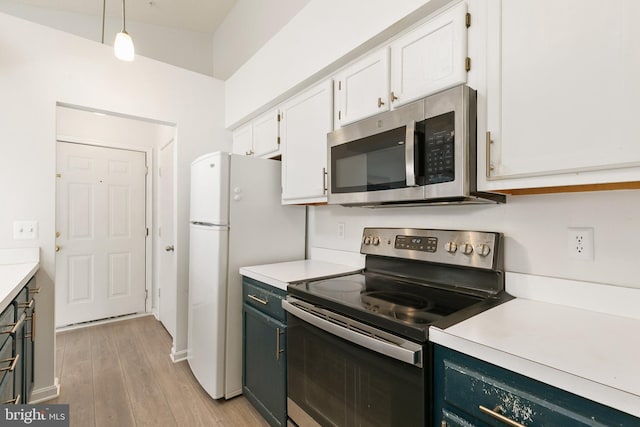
25, 230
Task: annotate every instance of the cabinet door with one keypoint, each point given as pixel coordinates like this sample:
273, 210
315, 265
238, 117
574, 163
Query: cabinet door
306, 120
243, 140
430, 58
362, 89
266, 141
264, 364
562, 92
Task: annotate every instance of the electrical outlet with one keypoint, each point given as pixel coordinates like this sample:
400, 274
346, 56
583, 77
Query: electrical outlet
580, 243
340, 233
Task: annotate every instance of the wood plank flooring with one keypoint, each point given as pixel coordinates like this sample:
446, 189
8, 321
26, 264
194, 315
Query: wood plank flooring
120, 374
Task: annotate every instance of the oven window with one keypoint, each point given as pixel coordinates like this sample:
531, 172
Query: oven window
342, 384
373, 163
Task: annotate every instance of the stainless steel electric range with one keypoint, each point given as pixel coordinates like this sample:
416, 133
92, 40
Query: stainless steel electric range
357, 345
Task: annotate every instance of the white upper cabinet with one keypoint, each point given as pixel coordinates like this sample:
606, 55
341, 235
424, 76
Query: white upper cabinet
430, 58
362, 89
562, 93
243, 140
260, 137
306, 120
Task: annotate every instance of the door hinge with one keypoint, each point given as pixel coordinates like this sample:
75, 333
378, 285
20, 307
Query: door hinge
159, 292
147, 231
278, 140
146, 170
339, 84
58, 175
339, 115
467, 64
159, 231
146, 294
279, 117
467, 20
159, 171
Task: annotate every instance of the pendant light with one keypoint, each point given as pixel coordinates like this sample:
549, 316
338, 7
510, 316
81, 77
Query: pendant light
123, 45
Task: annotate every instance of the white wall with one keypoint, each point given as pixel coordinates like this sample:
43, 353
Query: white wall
322, 37
186, 49
535, 230
249, 24
40, 66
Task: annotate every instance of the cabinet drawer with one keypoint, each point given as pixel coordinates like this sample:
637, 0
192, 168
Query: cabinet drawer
7, 321
487, 393
21, 301
264, 298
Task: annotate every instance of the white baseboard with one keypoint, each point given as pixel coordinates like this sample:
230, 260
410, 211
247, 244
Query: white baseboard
45, 393
178, 356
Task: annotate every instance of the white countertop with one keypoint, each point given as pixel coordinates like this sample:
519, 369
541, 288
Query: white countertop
588, 349
17, 266
280, 274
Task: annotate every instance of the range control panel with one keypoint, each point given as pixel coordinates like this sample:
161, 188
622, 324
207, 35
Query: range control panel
479, 249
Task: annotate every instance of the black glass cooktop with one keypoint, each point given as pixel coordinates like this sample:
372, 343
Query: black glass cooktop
402, 307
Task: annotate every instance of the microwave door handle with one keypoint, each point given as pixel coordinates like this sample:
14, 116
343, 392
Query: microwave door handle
409, 147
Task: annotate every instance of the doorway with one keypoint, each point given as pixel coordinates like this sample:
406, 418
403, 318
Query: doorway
101, 232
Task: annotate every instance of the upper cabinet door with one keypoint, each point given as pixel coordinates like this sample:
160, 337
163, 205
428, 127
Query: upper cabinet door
430, 58
306, 120
362, 89
562, 93
266, 140
243, 140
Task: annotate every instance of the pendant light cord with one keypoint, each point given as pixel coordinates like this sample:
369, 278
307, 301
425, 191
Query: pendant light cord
124, 21
104, 6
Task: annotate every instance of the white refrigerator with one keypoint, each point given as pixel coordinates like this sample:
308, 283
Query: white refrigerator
236, 220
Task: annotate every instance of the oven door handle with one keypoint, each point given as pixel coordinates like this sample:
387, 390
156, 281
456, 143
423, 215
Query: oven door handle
409, 149
356, 332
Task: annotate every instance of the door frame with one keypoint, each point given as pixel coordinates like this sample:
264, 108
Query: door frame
148, 206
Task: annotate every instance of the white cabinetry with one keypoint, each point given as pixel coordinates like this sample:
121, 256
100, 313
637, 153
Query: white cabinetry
430, 58
306, 120
362, 89
561, 93
427, 59
260, 137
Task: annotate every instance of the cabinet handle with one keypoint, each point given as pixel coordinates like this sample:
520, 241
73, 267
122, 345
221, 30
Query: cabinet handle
26, 304
443, 423
12, 401
14, 327
260, 300
393, 97
249, 153
324, 180
495, 414
34, 291
14, 362
278, 350
488, 156
380, 102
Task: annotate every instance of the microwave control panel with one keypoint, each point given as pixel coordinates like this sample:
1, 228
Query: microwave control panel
439, 139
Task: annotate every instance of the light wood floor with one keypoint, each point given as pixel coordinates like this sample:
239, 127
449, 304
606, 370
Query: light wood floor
120, 374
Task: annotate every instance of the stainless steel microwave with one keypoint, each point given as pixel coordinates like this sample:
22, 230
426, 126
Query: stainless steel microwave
424, 152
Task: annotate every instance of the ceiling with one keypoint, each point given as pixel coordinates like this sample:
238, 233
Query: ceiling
202, 16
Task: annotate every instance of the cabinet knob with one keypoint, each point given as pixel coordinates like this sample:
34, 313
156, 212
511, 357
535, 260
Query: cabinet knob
380, 102
393, 97
169, 248
57, 248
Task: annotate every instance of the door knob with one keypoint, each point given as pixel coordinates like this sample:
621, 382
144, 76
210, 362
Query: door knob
169, 248
57, 248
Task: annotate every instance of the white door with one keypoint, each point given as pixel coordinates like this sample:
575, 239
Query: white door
431, 57
243, 140
265, 134
362, 89
306, 120
100, 218
167, 274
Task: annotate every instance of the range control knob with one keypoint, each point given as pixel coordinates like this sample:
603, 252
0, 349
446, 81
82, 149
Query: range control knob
451, 247
367, 240
483, 249
467, 249
375, 241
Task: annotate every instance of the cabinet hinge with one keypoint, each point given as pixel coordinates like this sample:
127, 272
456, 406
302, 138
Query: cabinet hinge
467, 20
339, 115
146, 170
278, 140
159, 171
147, 231
339, 84
278, 117
467, 64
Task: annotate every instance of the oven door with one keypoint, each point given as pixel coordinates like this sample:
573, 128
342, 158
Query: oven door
343, 373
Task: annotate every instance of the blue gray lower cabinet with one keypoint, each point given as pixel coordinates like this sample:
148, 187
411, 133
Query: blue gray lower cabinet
263, 356
17, 345
469, 392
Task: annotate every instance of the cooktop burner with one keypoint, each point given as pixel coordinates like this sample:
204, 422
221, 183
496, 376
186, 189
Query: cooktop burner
399, 305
